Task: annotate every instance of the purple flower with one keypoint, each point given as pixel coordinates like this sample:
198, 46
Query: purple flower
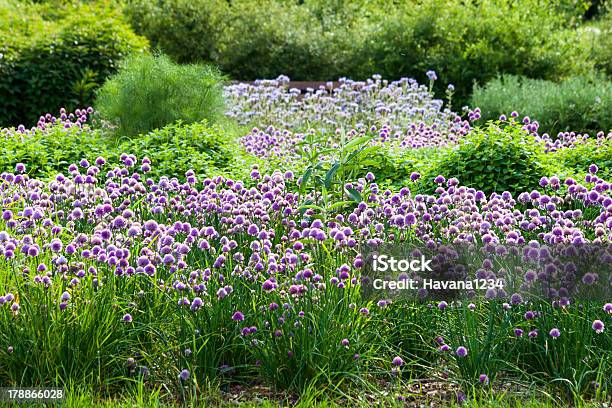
598, 326
238, 316
461, 351
20, 168
554, 333
345, 342
529, 315
184, 375
268, 285
127, 318
196, 303
397, 361
431, 75
516, 299
483, 379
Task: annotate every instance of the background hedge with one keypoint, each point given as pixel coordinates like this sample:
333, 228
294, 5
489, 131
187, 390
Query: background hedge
464, 41
56, 56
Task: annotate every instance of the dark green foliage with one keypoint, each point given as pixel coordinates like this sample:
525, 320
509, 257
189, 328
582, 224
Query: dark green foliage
187, 30
322, 40
49, 153
579, 158
150, 92
582, 104
58, 63
177, 148
496, 158
598, 38
173, 150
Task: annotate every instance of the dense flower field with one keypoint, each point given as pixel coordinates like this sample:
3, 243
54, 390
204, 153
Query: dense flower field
110, 277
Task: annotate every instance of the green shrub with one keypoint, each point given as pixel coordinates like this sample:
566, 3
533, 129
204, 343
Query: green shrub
150, 92
47, 153
177, 148
304, 42
579, 158
578, 104
173, 150
324, 40
467, 42
187, 30
49, 64
495, 158
597, 38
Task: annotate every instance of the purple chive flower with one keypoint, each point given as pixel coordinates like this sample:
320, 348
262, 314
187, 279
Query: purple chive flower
608, 308
461, 351
397, 361
196, 303
268, 285
516, 299
598, 326
432, 75
184, 375
238, 316
554, 333
483, 379
345, 342
127, 318
20, 168
593, 168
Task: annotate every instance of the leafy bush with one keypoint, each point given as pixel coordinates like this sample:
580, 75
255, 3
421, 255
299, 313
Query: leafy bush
578, 104
321, 40
469, 41
177, 148
173, 150
48, 64
597, 38
495, 158
150, 92
187, 30
49, 152
580, 157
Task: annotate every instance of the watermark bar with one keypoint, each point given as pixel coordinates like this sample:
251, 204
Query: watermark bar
567, 273
24, 395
